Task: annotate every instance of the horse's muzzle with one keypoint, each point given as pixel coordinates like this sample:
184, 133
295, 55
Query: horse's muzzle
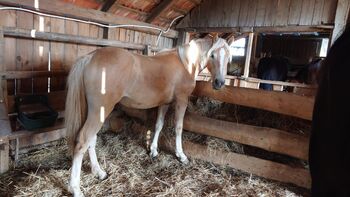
217, 84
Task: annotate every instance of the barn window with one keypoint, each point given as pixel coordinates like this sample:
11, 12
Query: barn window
238, 47
324, 47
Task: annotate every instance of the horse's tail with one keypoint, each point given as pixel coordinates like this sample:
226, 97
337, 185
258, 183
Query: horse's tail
76, 105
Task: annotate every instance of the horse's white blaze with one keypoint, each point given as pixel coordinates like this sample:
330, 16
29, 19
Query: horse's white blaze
103, 81
222, 56
102, 114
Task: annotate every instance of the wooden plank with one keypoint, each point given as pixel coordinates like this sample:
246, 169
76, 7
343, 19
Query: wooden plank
8, 19
279, 102
42, 138
282, 13
56, 101
251, 13
4, 121
159, 9
25, 33
30, 74
271, 11
269, 139
57, 55
317, 16
260, 12
41, 53
243, 13
24, 52
4, 156
234, 13
295, 12
329, 9
70, 49
69, 10
248, 55
307, 11
341, 19
260, 167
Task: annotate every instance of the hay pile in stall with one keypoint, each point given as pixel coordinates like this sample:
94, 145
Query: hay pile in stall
124, 156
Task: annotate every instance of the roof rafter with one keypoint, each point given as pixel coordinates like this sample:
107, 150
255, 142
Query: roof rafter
158, 10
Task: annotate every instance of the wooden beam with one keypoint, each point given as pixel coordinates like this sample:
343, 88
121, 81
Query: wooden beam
107, 5
66, 9
56, 101
5, 128
58, 37
31, 74
284, 29
279, 102
183, 38
260, 167
248, 55
159, 9
117, 6
269, 139
341, 18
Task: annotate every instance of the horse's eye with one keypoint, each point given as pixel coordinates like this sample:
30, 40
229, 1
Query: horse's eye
212, 56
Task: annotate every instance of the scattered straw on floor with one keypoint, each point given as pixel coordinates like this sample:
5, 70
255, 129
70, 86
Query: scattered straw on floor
132, 173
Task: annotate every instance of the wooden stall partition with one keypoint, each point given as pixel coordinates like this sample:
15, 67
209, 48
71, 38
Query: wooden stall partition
279, 102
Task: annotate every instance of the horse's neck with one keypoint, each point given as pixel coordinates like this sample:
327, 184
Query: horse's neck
194, 57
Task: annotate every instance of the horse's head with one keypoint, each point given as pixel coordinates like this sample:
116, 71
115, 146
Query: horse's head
218, 56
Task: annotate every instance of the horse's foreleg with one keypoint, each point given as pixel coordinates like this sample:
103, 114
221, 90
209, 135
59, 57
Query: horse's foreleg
180, 110
95, 166
159, 125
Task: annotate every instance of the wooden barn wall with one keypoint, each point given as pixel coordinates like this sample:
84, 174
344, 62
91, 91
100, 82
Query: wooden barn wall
33, 55
296, 48
260, 13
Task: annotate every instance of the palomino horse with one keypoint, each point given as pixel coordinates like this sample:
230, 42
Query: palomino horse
109, 76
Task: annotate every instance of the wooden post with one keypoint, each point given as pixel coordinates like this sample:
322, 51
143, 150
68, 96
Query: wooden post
341, 18
249, 55
247, 59
147, 51
183, 38
5, 128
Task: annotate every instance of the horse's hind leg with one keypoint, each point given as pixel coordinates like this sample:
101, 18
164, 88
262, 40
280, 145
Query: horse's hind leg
95, 166
86, 138
180, 109
159, 125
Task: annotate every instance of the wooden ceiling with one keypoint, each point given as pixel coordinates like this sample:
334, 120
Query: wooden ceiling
157, 12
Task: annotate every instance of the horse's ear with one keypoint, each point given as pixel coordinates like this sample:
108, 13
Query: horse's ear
231, 40
215, 37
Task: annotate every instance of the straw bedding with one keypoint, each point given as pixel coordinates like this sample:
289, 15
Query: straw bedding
124, 156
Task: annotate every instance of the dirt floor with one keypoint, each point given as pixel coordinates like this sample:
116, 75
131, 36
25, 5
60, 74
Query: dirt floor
124, 156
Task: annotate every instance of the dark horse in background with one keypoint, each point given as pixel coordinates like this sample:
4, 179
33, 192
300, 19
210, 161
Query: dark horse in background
272, 68
278, 69
329, 153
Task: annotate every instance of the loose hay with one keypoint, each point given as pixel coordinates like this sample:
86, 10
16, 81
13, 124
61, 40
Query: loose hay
131, 172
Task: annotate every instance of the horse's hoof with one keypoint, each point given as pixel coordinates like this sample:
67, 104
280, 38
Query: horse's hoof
75, 191
102, 176
153, 154
184, 161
